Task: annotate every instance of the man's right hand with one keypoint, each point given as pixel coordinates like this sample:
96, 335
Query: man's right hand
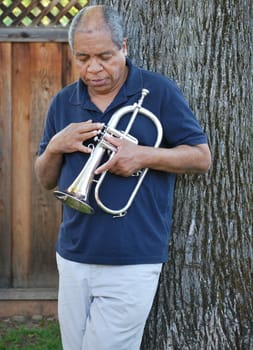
71, 138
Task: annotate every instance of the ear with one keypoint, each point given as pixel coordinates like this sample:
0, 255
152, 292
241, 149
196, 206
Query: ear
124, 46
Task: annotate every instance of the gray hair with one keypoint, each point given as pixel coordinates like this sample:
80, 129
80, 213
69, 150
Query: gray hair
111, 17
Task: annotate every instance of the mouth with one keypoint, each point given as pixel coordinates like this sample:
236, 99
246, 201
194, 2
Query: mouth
97, 82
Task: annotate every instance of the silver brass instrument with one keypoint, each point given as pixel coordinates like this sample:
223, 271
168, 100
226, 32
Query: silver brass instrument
76, 196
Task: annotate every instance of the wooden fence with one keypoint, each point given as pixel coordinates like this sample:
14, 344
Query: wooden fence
31, 73
35, 63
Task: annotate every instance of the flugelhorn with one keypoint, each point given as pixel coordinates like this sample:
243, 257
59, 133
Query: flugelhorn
76, 196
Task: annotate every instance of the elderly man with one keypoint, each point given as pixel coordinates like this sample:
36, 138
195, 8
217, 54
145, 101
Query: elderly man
109, 267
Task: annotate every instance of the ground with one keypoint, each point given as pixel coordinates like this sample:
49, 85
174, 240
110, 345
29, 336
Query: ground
35, 332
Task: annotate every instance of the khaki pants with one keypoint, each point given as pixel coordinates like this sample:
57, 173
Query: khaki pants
104, 307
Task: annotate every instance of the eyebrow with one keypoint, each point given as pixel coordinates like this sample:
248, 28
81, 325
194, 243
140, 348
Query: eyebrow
81, 54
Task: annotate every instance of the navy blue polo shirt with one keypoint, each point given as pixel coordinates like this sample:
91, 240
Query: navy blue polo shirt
142, 235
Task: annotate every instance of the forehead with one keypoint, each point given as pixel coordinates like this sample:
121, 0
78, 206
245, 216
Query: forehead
93, 41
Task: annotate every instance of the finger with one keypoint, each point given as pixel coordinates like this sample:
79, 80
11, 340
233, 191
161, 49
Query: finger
104, 167
88, 127
115, 141
84, 149
88, 135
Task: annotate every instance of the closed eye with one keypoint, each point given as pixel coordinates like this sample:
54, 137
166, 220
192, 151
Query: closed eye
105, 57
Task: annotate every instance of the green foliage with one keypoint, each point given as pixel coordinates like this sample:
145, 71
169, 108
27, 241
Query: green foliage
36, 10
40, 336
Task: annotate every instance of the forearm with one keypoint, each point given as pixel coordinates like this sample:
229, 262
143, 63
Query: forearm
130, 158
180, 159
47, 169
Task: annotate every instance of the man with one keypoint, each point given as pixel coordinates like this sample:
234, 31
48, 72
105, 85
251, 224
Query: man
109, 267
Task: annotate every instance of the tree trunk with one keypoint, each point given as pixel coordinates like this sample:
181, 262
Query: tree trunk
205, 296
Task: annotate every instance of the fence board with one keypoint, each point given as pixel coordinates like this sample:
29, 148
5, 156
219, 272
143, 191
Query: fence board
21, 164
46, 80
5, 164
69, 72
33, 34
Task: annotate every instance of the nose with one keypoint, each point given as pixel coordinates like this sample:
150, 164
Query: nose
94, 66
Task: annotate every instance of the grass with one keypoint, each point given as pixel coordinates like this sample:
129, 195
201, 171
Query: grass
42, 335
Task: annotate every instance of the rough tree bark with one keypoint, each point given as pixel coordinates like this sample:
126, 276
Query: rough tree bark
205, 296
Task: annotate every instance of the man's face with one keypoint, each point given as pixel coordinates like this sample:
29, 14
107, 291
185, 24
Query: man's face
100, 62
